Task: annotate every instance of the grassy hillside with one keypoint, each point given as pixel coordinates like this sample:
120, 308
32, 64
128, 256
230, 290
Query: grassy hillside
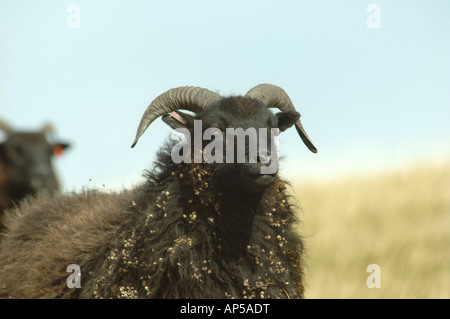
399, 221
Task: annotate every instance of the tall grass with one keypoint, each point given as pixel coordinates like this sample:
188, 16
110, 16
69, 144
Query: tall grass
399, 221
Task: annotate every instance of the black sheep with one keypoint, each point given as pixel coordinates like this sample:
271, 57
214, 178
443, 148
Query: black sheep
191, 230
26, 167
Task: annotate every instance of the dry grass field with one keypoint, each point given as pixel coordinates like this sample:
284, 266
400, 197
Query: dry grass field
398, 220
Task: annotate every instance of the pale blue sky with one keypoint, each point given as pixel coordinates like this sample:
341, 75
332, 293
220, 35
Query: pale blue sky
371, 99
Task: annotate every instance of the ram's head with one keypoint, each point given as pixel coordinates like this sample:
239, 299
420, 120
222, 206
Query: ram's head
237, 133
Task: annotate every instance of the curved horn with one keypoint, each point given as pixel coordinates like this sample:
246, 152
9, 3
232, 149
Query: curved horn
186, 97
276, 97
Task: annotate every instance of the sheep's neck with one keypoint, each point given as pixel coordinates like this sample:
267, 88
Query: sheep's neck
234, 225
231, 216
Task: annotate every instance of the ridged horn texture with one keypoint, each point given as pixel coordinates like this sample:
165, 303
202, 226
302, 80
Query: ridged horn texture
182, 98
275, 97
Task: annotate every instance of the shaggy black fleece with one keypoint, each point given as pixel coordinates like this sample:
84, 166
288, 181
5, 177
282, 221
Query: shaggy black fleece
175, 236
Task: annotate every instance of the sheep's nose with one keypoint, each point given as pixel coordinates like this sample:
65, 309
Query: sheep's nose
262, 157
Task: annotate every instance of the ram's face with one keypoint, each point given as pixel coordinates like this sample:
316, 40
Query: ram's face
238, 137
248, 131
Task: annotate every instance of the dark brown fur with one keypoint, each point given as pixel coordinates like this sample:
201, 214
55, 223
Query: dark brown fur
191, 230
174, 239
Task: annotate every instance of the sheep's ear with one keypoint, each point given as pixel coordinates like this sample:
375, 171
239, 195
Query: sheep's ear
179, 120
286, 119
